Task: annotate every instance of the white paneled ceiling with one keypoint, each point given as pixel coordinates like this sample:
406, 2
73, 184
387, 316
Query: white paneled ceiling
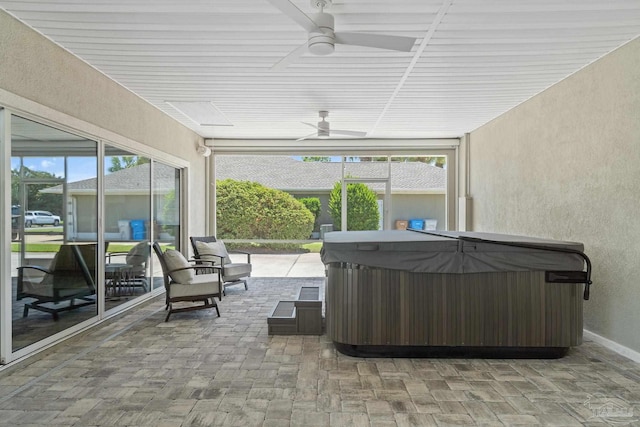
472, 60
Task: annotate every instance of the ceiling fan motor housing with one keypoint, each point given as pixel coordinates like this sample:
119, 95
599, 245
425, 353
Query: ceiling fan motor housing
323, 126
323, 42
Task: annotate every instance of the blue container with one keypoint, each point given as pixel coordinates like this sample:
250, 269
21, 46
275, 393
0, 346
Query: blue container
139, 235
416, 224
137, 224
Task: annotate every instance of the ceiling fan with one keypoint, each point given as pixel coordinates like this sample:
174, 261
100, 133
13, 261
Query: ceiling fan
322, 35
324, 131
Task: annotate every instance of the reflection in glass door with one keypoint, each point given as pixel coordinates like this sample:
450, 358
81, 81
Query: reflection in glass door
42, 211
53, 270
127, 226
166, 212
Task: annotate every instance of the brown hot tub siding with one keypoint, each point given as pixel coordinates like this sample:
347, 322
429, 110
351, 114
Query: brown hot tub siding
372, 306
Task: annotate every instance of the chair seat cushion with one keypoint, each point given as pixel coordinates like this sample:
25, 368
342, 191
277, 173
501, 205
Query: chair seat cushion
235, 271
175, 260
200, 285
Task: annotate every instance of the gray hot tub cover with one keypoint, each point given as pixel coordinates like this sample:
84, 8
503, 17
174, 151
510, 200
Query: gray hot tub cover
424, 253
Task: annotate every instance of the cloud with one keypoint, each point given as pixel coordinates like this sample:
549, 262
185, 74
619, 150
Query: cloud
46, 164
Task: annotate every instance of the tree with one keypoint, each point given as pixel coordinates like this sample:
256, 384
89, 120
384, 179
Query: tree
362, 207
124, 162
35, 198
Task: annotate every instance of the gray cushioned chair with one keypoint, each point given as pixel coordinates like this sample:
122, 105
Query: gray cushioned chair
183, 285
130, 274
216, 255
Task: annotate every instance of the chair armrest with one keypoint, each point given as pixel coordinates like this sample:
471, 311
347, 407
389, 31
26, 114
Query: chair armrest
248, 254
201, 260
108, 255
192, 267
35, 267
20, 293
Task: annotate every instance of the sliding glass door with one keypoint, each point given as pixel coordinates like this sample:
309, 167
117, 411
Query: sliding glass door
127, 226
84, 214
166, 212
54, 231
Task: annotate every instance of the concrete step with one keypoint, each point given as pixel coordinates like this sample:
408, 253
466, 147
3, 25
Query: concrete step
300, 317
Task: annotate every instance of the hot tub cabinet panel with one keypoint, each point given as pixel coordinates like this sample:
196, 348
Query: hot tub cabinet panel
371, 306
388, 310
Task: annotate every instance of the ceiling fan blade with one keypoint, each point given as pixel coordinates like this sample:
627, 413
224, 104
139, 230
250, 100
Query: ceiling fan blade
380, 41
290, 58
313, 126
348, 132
292, 11
306, 137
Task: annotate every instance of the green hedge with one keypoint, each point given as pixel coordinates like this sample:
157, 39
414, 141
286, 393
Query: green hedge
314, 206
362, 207
248, 210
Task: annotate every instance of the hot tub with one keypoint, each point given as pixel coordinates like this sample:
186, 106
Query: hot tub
407, 293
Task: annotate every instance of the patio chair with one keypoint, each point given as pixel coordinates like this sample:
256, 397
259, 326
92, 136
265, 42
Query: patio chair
183, 285
209, 250
130, 274
70, 277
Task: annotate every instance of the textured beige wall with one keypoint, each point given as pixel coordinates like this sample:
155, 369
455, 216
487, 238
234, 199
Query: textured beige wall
566, 165
35, 69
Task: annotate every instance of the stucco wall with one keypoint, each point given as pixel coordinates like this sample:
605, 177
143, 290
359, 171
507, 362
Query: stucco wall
35, 69
566, 165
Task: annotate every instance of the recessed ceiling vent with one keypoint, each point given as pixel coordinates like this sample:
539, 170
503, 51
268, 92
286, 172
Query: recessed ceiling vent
201, 113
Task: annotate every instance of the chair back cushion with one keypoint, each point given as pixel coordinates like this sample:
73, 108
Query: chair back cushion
174, 260
139, 254
211, 251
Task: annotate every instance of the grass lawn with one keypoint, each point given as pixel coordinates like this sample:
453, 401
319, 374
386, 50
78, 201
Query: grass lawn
313, 247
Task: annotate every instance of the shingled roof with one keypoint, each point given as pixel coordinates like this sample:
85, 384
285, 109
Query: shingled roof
290, 174
280, 172
133, 180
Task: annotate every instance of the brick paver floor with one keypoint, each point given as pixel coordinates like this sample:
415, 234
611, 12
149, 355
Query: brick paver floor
201, 370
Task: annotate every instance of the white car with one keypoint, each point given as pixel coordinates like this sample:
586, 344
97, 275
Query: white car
40, 218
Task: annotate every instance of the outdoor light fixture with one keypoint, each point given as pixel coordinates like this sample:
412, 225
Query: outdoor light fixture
203, 150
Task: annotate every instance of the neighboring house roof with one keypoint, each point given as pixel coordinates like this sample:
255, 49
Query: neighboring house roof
132, 180
279, 172
289, 174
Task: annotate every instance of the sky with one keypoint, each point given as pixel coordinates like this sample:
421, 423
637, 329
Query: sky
79, 168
